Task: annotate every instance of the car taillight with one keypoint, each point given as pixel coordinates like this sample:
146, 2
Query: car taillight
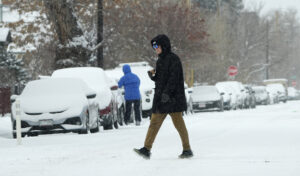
106, 110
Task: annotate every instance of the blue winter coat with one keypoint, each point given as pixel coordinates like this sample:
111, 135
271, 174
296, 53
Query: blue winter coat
131, 83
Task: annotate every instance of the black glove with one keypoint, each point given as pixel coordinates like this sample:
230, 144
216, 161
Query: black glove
150, 74
165, 98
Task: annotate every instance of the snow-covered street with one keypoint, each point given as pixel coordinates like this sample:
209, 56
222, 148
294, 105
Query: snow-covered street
263, 142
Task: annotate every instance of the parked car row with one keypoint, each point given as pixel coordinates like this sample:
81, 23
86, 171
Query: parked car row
82, 99
234, 95
45, 110
72, 99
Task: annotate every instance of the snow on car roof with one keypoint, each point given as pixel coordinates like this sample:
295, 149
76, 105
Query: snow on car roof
54, 94
275, 87
56, 86
93, 76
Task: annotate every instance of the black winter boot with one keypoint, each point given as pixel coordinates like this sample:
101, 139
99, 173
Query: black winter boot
143, 152
186, 154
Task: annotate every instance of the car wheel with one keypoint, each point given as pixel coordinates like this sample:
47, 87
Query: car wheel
15, 135
109, 126
116, 124
121, 116
32, 134
221, 106
95, 130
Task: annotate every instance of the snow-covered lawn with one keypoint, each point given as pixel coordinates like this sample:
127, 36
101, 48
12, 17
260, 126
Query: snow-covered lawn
260, 142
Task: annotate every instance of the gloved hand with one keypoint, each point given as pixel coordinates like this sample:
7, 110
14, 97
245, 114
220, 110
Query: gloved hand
165, 98
150, 74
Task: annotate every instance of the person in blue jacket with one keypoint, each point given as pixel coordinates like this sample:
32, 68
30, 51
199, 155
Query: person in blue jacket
131, 83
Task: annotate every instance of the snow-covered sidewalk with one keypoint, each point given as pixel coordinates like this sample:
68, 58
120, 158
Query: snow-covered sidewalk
260, 142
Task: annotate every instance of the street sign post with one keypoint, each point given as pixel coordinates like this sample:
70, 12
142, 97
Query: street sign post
232, 71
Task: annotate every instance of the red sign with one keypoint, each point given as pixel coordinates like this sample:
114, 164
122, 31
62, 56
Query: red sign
294, 83
232, 70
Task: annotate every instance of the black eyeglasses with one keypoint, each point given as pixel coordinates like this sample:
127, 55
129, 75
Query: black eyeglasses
155, 46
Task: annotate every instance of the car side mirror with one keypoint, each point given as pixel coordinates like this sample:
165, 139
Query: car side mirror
13, 98
91, 96
222, 93
114, 88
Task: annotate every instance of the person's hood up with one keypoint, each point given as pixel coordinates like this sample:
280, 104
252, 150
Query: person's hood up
163, 41
126, 69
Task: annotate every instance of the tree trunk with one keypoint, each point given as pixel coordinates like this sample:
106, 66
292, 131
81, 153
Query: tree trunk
69, 51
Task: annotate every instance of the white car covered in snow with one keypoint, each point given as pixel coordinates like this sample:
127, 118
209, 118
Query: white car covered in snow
229, 100
97, 80
146, 86
293, 94
261, 95
238, 92
56, 104
207, 98
278, 91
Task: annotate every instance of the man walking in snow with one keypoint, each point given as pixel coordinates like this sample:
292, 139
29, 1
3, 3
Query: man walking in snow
131, 83
169, 96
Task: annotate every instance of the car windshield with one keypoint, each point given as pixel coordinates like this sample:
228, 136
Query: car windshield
53, 86
259, 90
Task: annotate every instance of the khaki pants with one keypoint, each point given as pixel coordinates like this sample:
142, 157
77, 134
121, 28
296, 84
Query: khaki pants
155, 124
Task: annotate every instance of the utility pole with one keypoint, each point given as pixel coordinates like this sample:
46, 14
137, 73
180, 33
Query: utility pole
100, 59
267, 51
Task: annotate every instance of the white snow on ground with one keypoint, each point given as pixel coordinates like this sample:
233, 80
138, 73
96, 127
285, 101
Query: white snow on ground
260, 142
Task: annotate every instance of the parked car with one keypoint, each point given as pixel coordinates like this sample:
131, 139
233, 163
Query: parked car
293, 94
278, 89
238, 92
261, 95
229, 100
207, 98
281, 89
56, 104
97, 80
146, 86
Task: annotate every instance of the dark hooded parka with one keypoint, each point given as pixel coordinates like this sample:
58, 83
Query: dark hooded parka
168, 78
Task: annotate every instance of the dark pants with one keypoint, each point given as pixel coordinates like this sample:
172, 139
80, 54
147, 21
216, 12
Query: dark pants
136, 105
